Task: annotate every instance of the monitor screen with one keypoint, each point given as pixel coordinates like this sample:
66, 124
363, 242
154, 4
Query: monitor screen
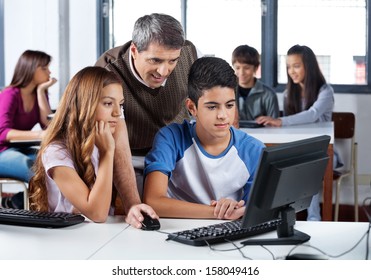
288, 176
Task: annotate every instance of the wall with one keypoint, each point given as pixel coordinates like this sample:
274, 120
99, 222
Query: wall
35, 25
360, 105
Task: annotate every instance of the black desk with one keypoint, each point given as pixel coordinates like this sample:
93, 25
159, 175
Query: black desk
24, 143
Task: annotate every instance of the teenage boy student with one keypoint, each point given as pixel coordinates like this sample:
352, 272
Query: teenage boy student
204, 168
254, 97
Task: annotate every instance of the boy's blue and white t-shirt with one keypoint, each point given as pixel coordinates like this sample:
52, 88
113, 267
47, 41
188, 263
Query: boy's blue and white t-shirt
196, 176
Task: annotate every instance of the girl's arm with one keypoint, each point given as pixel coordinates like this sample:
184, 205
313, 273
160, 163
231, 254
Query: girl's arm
15, 134
43, 102
323, 105
92, 202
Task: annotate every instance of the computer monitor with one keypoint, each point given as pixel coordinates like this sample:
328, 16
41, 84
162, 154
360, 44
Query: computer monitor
288, 176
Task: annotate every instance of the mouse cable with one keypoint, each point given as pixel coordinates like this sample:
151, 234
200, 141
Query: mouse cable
161, 231
367, 207
210, 246
168, 235
239, 249
108, 241
366, 234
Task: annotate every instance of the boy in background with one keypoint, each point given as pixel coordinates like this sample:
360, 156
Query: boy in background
254, 98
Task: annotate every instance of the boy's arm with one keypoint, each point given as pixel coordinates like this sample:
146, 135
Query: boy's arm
226, 208
155, 195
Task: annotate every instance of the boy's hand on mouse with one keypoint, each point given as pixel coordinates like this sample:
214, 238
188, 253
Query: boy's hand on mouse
135, 217
226, 208
103, 137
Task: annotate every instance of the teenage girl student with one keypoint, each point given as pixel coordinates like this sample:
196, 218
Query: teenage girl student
307, 99
23, 104
74, 168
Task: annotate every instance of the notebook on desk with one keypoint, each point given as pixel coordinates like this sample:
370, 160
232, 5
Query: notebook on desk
249, 124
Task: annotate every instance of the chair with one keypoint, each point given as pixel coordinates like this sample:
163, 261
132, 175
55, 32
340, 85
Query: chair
344, 127
15, 181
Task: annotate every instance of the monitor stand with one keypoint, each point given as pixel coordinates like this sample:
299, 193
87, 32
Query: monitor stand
286, 233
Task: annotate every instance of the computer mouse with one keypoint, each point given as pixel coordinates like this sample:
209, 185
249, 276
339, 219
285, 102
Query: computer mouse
149, 223
300, 256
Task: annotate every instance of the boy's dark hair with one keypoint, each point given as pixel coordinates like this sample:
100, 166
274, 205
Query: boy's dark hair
209, 72
247, 55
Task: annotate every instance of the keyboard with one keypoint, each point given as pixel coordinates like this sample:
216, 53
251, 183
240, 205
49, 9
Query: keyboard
222, 232
249, 124
20, 217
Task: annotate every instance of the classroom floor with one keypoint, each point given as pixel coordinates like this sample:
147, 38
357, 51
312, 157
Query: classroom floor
346, 209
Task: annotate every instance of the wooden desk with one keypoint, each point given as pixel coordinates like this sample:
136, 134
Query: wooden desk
278, 135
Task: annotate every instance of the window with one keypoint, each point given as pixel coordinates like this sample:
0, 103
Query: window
336, 30
125, 13
243, 26
225, 25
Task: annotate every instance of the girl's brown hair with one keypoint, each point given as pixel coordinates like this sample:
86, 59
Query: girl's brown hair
313, 81
27, 65
73, 127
